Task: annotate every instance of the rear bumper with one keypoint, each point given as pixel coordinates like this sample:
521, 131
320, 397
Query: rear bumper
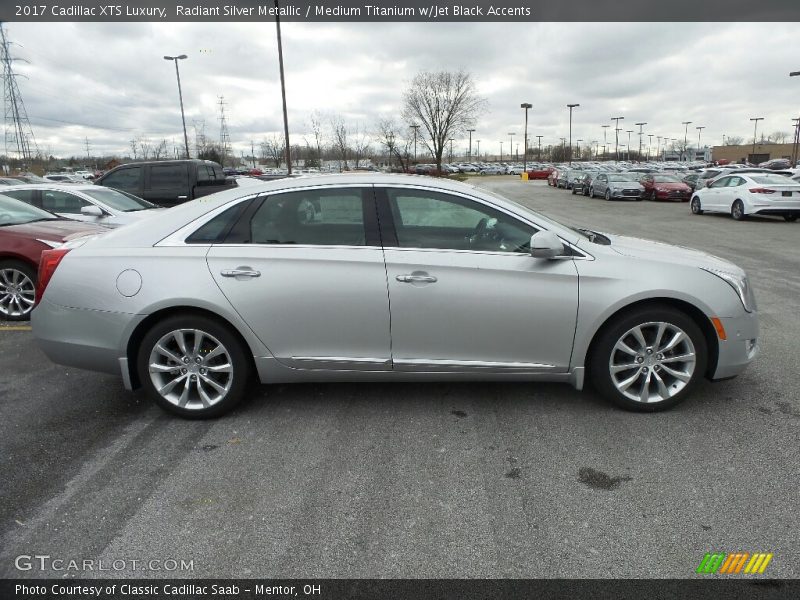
85, 339
741, 347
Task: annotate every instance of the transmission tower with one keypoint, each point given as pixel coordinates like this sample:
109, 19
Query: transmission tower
224, 136
200, 142
19, 138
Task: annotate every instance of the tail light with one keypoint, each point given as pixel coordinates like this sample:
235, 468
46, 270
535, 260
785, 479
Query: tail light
47, 266
761, 191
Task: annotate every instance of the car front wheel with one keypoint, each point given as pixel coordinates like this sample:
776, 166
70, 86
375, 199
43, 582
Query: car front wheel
649, 360
17, 290
737, 211
608, 194
695, 206
193, 366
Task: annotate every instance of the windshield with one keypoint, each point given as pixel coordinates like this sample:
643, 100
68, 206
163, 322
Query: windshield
666, 179
16, 212
118, 200
624, 177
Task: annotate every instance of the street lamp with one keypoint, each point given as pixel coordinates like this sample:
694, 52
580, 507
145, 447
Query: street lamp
578, 148
570, 107
699, 131
755, 128
501, 151
175, 59
479, 148
629, 132
469, 154
526, 106
685, 136
649, 145
605, 141
511, 146
616, 138
640, 139
539, 137
415, 128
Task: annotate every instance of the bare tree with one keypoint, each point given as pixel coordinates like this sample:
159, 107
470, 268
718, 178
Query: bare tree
397, 146
160, 150
340, 140
145, 147
316, 130
734, 140
779, 137
273, 148
134, 147
361, 145
445, 104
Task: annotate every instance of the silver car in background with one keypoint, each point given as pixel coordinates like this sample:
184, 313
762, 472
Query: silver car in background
388, 278
614, 186
88, 202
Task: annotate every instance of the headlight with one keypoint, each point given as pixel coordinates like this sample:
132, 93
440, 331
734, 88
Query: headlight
50, 243
740, 284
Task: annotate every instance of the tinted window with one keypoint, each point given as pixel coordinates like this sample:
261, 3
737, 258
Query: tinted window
14, 212
318, 217
721, 182
169, 176
62, 202
217, 228
433, 220
124, 179
24, 195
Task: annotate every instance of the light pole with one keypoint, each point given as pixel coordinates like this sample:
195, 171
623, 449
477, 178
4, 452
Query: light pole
685, 137
478, 142
640, 139
175, 59
629, 131
649, 145
539, 137
658, 145
511, 145
526, 106
605, 141
699, 131
578, 148
283, 91
616, 138
469, 153
755, 128
415, 128
570, 107
501, 151
796, 147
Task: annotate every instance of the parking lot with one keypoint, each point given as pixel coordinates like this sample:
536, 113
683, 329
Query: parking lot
422, 480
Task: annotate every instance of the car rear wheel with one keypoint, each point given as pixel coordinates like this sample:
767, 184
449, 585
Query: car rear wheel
17, 290
737, 211
695, 206
649, 360
790, 218
193, 366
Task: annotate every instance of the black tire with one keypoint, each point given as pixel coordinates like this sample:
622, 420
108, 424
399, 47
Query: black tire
591, 192
737, 211
695, 206
653, 196
603, 346
790, 218
574, 191
608, 194
238, 356
25, 275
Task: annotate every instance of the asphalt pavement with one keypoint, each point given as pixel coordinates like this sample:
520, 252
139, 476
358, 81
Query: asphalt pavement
420, 480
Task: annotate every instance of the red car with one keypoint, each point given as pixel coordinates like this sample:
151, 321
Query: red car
540, 172
662, 186
25, 231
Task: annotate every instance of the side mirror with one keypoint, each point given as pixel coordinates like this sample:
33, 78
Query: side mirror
545, 244
92, 211
708, 183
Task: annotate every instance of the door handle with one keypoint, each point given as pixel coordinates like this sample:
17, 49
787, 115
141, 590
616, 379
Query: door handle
414, 278
242, 272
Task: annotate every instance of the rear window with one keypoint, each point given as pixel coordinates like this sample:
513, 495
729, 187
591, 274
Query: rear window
772, 179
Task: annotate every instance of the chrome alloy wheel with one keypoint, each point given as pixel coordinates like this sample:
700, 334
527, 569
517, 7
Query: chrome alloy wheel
191, 369
652, 362
17, 293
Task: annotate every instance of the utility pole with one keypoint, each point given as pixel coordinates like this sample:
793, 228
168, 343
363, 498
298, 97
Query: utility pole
699, 131
283, 90
685, 137
605, 141
539, 137
501, 151
415, 128
224, 136
479, 148
88, 156
469, 153
755, 129
649, 145
511, 144
629, 131
658, 145
253, 152
616, 138
640, 139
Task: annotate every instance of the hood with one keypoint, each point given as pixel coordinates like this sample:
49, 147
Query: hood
659, 251
672, 185
60, 230
624, 185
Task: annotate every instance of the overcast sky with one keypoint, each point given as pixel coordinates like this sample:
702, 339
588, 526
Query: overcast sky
109, 83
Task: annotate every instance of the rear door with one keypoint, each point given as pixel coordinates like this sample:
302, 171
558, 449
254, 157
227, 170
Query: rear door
167, 184
305, 270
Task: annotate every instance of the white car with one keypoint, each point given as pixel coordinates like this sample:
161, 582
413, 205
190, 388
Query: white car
88, 202
742, 194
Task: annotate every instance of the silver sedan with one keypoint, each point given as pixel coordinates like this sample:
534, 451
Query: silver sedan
388, 278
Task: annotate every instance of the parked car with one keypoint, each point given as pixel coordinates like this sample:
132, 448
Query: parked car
539, 172
64, 178
662, 186
89, 203
552, 178
168, 182
584, 182
691, 180
743, 194
492, 170
616, 186
705, 177
29, 178
25, 232
777, 164
189, 305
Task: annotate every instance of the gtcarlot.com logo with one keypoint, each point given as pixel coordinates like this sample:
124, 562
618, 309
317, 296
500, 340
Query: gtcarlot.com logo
735, 563
45, 562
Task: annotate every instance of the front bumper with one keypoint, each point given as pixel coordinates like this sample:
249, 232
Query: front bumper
740, 348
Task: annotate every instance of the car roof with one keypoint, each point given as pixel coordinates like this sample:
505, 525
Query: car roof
72, 187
